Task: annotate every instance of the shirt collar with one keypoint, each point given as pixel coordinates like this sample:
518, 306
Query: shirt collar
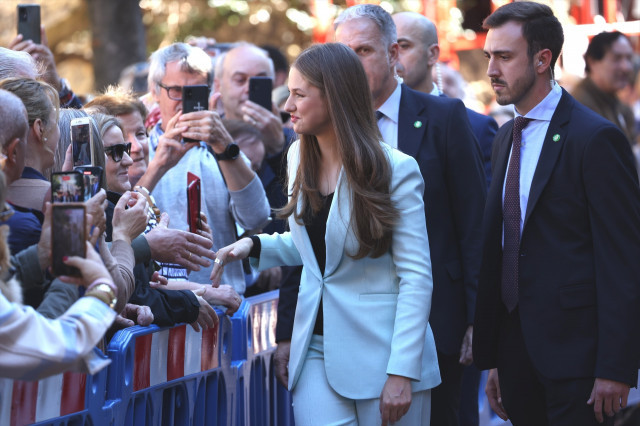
435, 91
391, 107
545, 109
31, 173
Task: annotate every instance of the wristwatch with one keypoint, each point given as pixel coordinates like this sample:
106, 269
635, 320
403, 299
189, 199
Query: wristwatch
231, 152
104, 293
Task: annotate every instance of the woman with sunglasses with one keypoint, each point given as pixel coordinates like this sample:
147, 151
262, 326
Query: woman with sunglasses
168, 307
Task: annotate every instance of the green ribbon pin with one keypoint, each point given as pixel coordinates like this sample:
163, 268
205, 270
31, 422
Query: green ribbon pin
556, 137
417, 124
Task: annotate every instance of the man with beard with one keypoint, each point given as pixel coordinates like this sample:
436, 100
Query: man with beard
556, 314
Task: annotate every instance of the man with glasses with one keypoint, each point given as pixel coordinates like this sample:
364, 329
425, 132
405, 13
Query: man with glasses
231, 192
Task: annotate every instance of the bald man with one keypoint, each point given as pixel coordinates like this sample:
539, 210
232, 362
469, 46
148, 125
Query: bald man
13, 135
232, 76
418, 53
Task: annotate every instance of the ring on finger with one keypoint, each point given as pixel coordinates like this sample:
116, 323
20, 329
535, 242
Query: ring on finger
189, 258
219, 261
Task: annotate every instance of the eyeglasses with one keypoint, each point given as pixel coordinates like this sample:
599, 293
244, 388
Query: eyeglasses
174, 92
117, 151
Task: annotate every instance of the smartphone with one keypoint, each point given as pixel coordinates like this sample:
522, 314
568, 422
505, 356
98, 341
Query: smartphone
194, 98
29, 22
193, 202
68, 236
82, 142
260, 91
92, 177
67, 187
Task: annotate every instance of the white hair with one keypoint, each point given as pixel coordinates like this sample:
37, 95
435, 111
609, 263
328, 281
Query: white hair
193, 60
374, 13
17, 64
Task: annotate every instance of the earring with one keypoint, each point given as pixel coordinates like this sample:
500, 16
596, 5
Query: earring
45, 139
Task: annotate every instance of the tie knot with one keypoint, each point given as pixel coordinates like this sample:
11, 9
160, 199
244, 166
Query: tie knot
520, 123
379, 115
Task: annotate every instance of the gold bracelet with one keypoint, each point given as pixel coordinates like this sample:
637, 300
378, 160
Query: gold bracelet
104, 293
152, 202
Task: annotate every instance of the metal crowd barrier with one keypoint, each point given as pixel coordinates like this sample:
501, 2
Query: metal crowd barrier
167, 376
176, 376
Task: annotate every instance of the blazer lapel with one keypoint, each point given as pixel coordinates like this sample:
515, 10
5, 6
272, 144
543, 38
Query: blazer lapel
299, 232
338, 224
412, 123
500, 163
551, 148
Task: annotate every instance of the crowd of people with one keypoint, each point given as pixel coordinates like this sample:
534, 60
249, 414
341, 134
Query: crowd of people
414, 241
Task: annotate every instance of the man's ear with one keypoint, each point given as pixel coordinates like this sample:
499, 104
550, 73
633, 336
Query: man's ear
393, 52
434, 54
543, 61
11, 150
216, 85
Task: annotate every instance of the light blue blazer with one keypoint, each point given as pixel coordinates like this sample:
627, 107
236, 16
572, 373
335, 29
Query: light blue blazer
376, 311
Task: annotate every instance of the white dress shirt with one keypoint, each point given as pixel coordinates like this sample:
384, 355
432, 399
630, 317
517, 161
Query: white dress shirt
388, 124
532, 140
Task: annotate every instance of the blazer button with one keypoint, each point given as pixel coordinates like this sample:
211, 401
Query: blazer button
522, 254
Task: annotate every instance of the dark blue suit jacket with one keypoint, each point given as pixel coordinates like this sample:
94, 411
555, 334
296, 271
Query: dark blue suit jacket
484, 129
579, 250
436, 132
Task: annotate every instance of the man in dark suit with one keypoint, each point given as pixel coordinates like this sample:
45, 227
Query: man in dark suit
436, 132
558, 295
418, 53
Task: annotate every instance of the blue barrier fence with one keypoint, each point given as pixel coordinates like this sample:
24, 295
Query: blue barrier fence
176, 376
167, 376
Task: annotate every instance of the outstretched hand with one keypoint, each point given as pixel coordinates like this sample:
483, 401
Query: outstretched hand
238, 250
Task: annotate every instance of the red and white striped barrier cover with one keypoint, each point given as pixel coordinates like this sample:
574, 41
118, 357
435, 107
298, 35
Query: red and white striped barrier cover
264, 317
171, 354
24, 403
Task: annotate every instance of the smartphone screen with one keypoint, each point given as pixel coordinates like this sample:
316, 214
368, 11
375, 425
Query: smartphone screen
193, 202
195, 98
260, 91
67, 236
92, 176
29, 22
81, 142
67, 187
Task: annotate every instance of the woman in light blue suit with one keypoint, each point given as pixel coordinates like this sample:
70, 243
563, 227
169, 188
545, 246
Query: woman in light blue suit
362, 351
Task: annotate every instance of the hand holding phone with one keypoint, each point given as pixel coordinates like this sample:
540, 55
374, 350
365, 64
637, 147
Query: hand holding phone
68, 236
29, 22
193, 202
195, 98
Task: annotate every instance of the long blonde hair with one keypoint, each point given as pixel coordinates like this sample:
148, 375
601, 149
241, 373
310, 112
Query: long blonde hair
336, 70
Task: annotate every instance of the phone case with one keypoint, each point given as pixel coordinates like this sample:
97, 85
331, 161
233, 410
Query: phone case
82, 144
29, 22
68, 236
193, 202
260, 91
195, 98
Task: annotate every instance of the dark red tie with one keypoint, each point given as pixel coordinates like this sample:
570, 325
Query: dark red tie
511, 216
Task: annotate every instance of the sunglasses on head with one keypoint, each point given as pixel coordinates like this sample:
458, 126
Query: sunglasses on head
117, 151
